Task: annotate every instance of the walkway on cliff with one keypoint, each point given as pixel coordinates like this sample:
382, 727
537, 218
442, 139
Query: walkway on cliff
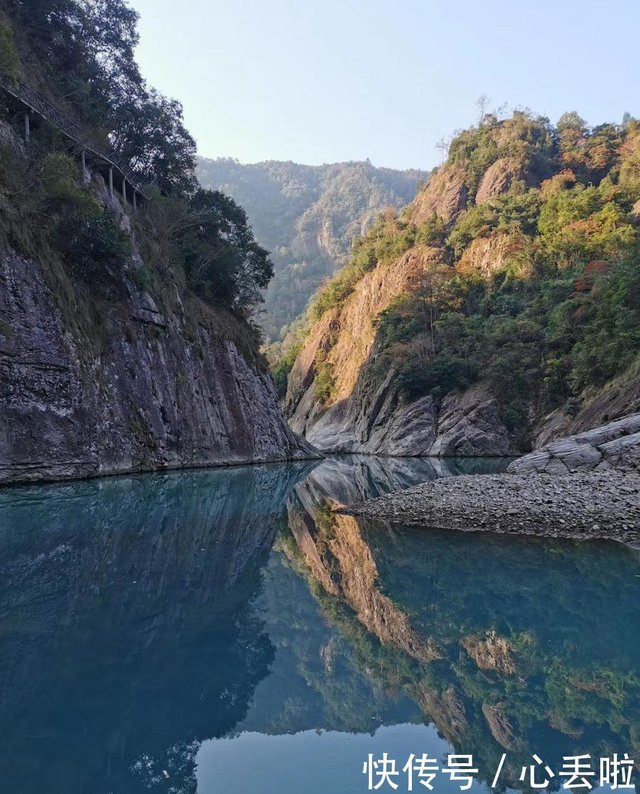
113, 169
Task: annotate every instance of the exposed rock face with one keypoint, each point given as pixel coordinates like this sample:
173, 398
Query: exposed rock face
498, 178
500, 727
348, 334
445, 196
369, 416
447, 708
469, 425
490, 652
489, 255
615, 445
137, 389
381, 423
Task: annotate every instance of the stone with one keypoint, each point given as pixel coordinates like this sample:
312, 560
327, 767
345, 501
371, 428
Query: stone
132, 395
614, 445
445, 196
582, 505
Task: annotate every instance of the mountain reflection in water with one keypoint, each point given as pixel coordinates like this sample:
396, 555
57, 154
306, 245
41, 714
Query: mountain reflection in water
158, 632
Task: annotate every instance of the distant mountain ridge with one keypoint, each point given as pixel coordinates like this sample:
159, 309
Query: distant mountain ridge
307, 217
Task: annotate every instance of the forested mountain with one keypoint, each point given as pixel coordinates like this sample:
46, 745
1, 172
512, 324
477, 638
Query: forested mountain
507, 292
126, 340
307, 217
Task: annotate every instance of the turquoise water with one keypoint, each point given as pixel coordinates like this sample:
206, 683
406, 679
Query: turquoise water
223, 631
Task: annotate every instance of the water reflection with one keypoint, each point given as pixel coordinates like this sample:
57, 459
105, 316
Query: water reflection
127, 632
505, 644
141, 617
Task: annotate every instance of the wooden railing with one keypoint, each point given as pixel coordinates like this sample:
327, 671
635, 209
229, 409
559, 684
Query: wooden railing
42, 107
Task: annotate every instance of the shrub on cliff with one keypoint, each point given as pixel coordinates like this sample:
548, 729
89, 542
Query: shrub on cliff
8, 54
84, 232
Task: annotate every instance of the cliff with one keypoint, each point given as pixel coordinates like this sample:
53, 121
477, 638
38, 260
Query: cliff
366, 411
127, 339
145, 385
495, 312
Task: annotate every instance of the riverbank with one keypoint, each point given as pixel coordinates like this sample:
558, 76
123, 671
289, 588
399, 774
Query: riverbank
585, 505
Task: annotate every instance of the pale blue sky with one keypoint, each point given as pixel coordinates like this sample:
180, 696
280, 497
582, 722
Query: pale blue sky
318, 81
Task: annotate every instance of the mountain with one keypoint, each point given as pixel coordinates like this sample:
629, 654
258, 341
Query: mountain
307, 217
497, 310
125, 290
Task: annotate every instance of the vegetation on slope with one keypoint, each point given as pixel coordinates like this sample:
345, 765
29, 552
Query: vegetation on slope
536, 289
308, 217
199, 238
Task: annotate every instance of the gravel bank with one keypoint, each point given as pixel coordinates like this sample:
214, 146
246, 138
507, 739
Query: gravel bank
594, 504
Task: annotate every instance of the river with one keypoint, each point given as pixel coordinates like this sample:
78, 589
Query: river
223, 631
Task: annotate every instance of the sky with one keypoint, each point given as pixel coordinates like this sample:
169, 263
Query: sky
321, 81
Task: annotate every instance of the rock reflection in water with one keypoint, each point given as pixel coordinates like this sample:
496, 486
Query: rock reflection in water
507, 644
141, 617
127, 633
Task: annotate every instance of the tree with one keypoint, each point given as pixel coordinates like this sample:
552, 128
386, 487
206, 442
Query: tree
483, 103
150, 135
222, 261
90, 45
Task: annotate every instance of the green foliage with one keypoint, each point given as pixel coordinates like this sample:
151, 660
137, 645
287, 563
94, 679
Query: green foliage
438, 377
142, 278
194, 236
91, 243
307, 217
89, 47
610, 313
223, 263
281, 369
550, 305
8, 53
523, 139
477, 221
583, 223
85, 233
324, 379
388, 239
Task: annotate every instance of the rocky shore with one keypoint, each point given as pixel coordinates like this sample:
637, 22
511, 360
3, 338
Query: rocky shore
583, 505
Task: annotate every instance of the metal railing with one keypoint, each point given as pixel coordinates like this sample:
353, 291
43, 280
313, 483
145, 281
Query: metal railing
46, 110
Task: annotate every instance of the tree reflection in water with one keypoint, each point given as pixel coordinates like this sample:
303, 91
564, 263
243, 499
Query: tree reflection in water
142, 616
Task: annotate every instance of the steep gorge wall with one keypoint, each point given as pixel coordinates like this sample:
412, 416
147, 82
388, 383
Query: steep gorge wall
156, 390
468, 324
366, 413
97, 381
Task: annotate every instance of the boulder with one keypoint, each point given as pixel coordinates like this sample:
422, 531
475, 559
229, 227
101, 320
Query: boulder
614, 445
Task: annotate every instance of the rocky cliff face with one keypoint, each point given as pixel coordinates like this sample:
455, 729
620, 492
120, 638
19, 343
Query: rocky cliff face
101, 387
493, 314
366, 413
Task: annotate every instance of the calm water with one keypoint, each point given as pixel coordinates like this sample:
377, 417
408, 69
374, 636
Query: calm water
223, 631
